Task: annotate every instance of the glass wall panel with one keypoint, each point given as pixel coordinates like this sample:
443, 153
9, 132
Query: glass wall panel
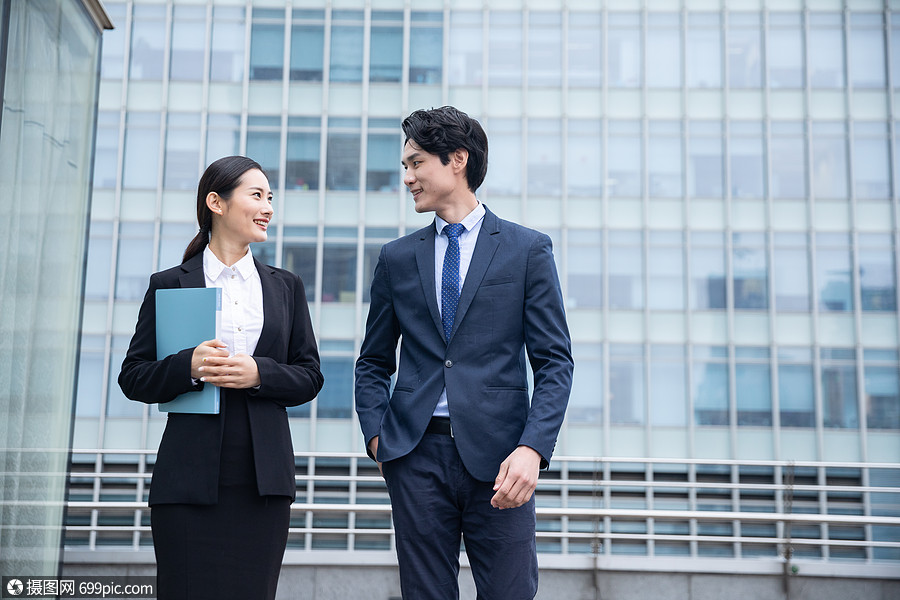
744, 50
267, 44
584, 50
785, 50
106, 149
346, 46
584, 158
895, 52
505, 173
663, 50
301, 169
624, 51
710, 385
336, 400
705, 160
299, 257
871, 162
624, 156
182, 159
791, 272
505, 48
665, 160
866, 52
753, 387
376, 237
112, 62
227, 52
839, 399
626, 384
826, 50
829, 158
585, 268
882, 389
135, 260
707, 271
99, 261
307, 45
148, 42
188, 43
788, 160
426, 42
173, 241
668, 386
382, 164
751, 271
342, 160
796, 388
666, 265
545, 49
90, 376
746, 159
339, 265
466, 62
141, 150
386, 52
626, 269
223, 137
264, 145
877, 272
586, 402
544, 169
834, 272
703, 64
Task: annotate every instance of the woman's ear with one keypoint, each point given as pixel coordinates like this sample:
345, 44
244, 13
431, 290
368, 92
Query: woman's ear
214, 203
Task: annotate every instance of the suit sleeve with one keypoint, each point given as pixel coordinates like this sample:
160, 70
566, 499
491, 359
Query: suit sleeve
142, 377
377, 357
549, 350
300, 379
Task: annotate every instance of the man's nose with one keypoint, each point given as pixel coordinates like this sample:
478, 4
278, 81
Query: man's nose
408, 178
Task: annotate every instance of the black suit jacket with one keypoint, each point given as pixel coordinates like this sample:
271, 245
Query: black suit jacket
187, 464
510, 306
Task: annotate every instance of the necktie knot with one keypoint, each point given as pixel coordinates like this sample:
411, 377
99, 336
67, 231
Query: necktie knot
453, 230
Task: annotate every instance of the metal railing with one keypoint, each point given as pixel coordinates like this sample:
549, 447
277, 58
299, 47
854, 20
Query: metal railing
663, 511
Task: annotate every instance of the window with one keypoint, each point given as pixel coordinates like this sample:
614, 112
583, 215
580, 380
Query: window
624, 50
301, 169
748, 172
426, 47
99, 261
585, 268
788, 160
264, 145
148, 42
383, 157
791, 272
866, 52
744, 50
710, 385
626, 384
829, 158
188, 43
505, 48
785, 50
182, 151
624, 158
223, 136
663, 50
882, 389
505, 173
796, 390
626, 269
544, 169
585, 50
753, 386
106, 149
834, 272
173, 241
586, 403
135, 260
141, 170
544, 49
346, 46
839, 400
668, 386
342, 160
465, 64
877, 272
871, 162
335, 401
299, 257
666, 265
376, 237
707, 271
826, 50
113, 58
705, 162
90, 376
386, 62
751, 273
665, 160
704, 50
227, 52
307, 45
267, 44
584, 156
339, 265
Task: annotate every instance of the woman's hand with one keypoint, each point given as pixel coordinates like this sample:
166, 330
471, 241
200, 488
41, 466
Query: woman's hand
205, 350
239, 371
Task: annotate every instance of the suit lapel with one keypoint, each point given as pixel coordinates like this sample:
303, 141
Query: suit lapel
272, 308
485, 247
192, 275
425, 264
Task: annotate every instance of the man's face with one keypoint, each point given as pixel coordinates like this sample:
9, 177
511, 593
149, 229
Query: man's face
431, 183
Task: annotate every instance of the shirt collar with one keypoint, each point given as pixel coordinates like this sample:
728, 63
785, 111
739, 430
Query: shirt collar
213, 267
468, 222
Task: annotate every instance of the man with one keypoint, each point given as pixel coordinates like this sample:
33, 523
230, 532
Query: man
457, 440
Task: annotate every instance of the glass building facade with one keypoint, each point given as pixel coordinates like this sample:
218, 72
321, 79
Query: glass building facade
719, 178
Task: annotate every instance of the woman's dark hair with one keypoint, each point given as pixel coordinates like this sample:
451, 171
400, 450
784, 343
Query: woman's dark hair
221, 177
442, 131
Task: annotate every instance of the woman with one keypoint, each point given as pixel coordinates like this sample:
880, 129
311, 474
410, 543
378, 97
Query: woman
223, 484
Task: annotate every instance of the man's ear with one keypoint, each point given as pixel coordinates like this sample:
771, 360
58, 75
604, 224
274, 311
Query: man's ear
459, 158
214, 202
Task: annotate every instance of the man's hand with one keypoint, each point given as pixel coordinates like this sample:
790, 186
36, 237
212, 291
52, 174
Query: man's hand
373, 448
517, 478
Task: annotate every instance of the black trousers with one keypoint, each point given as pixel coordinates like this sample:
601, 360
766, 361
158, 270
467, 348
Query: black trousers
232, 549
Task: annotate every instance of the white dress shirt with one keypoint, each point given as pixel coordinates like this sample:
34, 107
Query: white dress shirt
242, 301
471, 226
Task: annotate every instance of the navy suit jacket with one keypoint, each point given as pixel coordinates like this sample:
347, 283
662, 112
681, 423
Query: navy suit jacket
187, 464
510, 305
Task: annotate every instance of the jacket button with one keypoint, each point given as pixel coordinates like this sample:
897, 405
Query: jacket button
448, 363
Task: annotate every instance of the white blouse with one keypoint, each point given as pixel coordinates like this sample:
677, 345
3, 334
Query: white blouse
242, 301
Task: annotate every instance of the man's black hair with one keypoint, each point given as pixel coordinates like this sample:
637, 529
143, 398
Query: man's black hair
442, 131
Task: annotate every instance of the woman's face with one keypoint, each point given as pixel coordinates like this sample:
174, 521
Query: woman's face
245, 216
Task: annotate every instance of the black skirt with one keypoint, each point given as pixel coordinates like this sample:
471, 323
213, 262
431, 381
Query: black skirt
232, 549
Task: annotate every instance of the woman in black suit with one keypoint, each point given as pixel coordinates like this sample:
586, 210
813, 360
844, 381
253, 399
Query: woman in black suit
223, 484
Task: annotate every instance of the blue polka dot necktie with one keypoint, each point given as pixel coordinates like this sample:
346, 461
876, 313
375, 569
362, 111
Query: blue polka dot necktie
450, 278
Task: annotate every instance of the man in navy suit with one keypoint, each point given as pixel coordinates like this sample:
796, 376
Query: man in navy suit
457, 439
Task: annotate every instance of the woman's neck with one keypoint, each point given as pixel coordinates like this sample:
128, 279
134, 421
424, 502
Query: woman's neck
227, 253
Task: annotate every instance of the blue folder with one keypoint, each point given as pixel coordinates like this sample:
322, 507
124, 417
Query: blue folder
185, 317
